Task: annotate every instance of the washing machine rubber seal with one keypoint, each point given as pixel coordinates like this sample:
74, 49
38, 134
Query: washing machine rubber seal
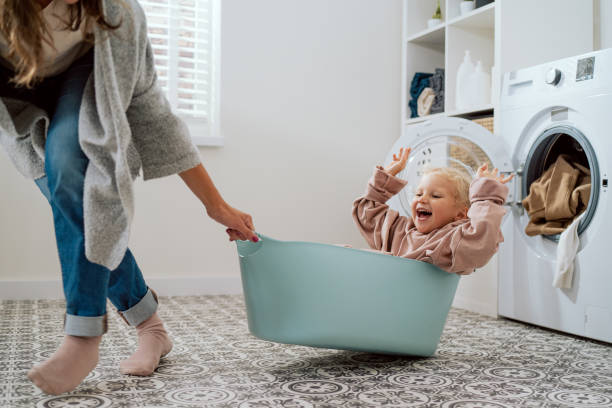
533, 164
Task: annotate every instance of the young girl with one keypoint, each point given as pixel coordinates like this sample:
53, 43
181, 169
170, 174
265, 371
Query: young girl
455, 224
82, 115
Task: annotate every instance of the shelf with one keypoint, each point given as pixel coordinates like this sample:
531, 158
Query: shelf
444, 46
476, 111
434, 35
479, 110
480, 18
424, 118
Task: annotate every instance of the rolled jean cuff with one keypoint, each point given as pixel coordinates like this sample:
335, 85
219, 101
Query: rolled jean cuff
85, 326
142, 310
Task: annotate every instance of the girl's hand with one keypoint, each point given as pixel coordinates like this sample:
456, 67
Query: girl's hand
399, 163
492, 174
239, 225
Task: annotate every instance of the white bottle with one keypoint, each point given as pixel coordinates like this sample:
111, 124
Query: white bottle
479, 87
462, 87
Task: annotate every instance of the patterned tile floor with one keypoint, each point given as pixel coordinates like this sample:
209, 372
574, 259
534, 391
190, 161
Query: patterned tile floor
480, 362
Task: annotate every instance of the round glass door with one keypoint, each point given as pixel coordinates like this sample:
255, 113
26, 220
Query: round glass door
439, 151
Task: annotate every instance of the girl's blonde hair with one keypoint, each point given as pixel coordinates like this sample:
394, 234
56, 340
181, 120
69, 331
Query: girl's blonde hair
460, 179
23, 27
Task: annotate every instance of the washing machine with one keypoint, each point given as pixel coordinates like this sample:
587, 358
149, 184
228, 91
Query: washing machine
561, 107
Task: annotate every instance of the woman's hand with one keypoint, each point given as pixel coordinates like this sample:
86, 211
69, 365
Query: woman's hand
239, 225
399, 163
492, 174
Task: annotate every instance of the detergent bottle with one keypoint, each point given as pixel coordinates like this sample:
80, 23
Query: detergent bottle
462, 86
479, 87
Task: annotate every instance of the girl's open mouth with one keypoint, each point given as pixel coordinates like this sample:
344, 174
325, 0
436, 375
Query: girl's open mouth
423, 214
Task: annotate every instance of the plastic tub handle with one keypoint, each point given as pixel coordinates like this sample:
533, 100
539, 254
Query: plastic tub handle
248, 248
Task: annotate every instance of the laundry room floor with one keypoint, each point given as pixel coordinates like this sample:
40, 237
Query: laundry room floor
480, 362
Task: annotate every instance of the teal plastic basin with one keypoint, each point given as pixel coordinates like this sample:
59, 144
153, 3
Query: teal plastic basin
343, 298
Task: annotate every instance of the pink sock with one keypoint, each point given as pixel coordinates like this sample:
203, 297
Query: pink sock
68, 366
153, 344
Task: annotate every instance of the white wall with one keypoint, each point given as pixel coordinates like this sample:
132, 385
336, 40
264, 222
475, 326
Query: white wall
603, 30
310, 102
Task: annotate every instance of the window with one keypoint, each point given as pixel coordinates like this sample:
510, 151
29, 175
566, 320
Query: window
185, 39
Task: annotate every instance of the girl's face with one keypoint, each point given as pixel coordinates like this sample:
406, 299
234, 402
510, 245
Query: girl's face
434, 204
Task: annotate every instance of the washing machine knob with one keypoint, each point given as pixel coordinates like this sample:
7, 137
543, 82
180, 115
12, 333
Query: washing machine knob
553, 76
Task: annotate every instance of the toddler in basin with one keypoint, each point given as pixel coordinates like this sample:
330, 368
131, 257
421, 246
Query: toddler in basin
455, 222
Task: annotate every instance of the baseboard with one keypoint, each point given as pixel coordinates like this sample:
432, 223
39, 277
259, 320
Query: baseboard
205, 285
475, 306
52, 289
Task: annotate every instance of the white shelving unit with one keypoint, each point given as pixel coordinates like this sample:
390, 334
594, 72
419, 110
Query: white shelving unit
504, 35
443, 46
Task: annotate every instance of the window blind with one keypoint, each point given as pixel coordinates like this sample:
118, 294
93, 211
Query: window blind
182, 34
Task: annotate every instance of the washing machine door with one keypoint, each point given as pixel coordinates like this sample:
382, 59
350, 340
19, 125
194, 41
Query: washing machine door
446, 142
559, 140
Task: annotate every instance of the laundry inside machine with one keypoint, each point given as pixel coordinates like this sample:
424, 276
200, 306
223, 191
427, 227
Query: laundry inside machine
560, 168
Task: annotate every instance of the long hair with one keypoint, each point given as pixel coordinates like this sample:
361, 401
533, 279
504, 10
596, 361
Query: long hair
23, 27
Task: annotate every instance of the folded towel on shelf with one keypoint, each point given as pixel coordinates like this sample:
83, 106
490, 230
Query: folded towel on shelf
426, 99
419, 82
566, 254
557, 197
436, 82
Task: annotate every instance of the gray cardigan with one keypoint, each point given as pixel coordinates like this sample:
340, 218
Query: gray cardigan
125, 125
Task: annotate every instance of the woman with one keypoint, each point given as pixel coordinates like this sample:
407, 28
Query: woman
81, 114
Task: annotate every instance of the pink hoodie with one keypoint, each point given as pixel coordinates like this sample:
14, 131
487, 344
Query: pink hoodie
457, 247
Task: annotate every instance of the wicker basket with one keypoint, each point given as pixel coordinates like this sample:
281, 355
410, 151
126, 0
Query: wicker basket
486, 123
465, 152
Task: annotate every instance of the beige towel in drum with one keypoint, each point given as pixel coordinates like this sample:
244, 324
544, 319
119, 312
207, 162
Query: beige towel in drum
557, 197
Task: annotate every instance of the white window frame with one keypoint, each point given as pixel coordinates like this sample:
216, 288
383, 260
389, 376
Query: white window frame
208, 133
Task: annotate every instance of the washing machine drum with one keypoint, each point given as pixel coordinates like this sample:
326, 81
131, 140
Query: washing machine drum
445, 142
567, 141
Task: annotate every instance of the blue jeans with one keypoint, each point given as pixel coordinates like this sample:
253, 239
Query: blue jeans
86, 284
